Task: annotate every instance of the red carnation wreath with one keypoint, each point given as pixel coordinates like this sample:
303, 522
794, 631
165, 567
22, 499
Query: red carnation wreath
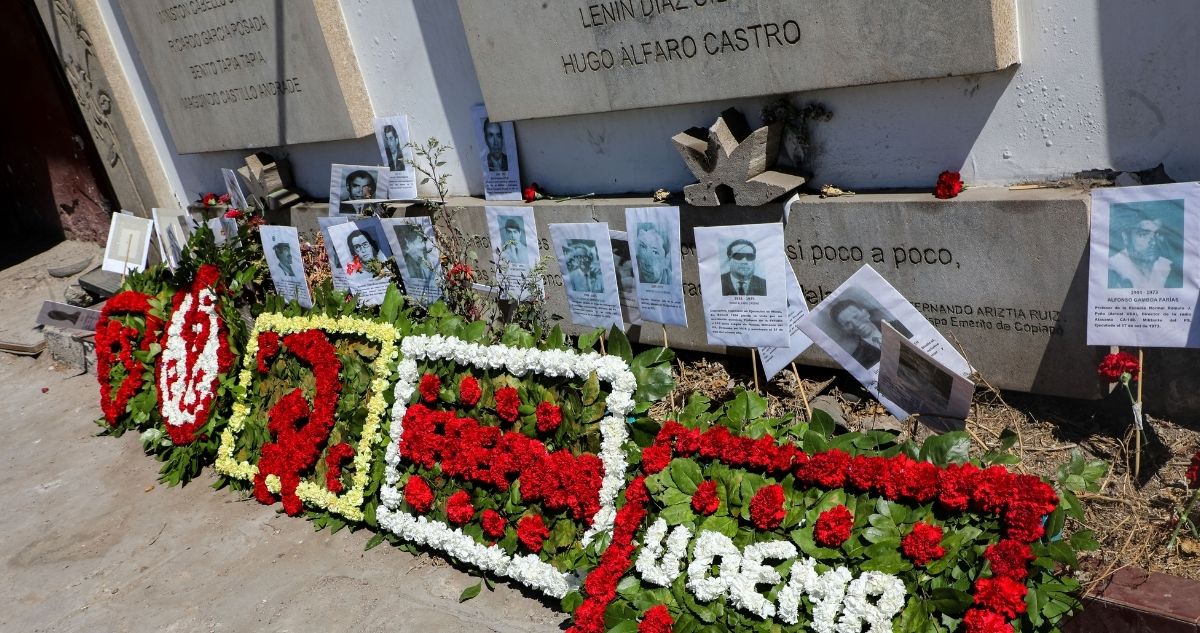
115, 345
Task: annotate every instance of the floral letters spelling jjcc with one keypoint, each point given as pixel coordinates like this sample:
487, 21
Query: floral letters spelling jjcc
115, 345
303, 432
719, 494
195, 354
505, 429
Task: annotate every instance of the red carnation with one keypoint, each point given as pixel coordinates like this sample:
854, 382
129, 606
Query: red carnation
1002, 595
833, 526
548, 417
981, 621
766, 508
1115, 366
493, 523
923, 544
418, 495
531, 531
531, 193
1010, 559
656, 620
209, 200
705, 499
429, 387
233, 214
825, 470
955, 482
468, 391
459, 509
655, 458
268, 347
1193, 472
223, 198
949, 184
507, 402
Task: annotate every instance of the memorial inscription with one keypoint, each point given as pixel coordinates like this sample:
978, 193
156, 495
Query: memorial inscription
240, 73
622, 54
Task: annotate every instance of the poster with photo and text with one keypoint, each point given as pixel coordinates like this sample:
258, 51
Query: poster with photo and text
848, 326
128, 244
654, 251
513, 232
744, 284
626, 279
172, 238
281, 247
414, 247
918, 384
585, 258
337, 270
774, 359
391, 134
360, 245
1145, 250
356, 190
497, 141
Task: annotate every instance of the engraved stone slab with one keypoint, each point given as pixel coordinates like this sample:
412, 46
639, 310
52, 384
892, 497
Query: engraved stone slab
252, 73
603, 55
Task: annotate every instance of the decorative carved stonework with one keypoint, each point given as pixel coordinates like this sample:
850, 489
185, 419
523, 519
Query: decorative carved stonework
270, 181
733, 164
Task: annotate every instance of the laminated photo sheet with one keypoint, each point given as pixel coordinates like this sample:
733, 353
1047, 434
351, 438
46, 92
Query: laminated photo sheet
128, 244
654, 250
744, 285
1142, 282
414, 247
626, 279
585, 257
917, 384
233, 187
514, 250
497, 141
357, 244
774, 359
848, 324
356, 189
391, 134
172, 238
281, 247
337, 269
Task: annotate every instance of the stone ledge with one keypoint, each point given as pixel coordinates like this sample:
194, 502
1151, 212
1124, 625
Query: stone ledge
1138, 601
72, 348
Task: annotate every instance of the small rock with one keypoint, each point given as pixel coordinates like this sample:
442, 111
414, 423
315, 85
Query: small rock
882, 422
76, 296
831, 406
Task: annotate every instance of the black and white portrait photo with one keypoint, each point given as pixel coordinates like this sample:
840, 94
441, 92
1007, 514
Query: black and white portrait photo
417, 256
349, 183
359, 244
657, 263
281, 247
588, 272
1146, 249
399, 181
854, 321
741, 276
513, 233
653, 254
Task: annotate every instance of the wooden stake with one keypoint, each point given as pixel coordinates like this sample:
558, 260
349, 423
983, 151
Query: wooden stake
602, 352
666, 343
803, 395
1137, 431
754, 364
125, 262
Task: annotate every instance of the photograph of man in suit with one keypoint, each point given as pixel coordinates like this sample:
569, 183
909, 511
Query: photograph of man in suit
493, 136
512, 231
392, 149
859, 329
360, 185
740, 279
418, 255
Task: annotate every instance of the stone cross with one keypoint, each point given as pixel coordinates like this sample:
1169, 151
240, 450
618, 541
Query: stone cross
733, 164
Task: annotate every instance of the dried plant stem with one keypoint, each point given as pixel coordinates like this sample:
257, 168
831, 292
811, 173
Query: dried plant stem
754, 365
1183, 517
800, 388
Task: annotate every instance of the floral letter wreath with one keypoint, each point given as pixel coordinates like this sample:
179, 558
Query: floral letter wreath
278, 459
528, 569
195, 354
113, 339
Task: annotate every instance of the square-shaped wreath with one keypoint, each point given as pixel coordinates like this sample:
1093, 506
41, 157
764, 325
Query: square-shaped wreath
506, 459
312, 395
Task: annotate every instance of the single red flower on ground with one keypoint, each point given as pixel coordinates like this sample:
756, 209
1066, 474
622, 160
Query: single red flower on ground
418, 495
493, 523
982, 621
1009, 558
429, 387
507, 402
1193, 472
530, 193
705, 499
1116, 365
459, 509
766, 508
949, 184
656, 620
923, 544
468, 391
833, 526
1002, 595
548, 417
531, 531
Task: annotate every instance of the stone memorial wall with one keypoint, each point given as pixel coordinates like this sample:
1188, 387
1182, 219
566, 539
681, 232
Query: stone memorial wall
592, 56
250, 73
